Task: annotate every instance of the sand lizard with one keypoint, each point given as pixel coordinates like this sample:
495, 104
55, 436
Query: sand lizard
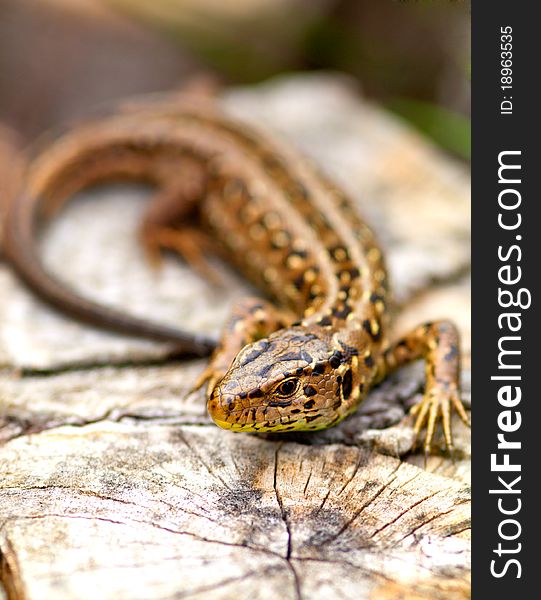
305, 361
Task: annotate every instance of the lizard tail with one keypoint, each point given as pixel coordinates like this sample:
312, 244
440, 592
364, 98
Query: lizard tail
21, 251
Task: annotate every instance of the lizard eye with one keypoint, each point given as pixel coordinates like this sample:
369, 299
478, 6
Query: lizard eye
287, 388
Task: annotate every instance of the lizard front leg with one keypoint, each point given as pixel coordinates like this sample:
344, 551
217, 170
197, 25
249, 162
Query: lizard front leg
251, 319
438, 344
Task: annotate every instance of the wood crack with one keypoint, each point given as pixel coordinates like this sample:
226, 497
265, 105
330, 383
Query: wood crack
168, 358
390, 479
285, 519
404, 512
433, 518
183, 439
24, 427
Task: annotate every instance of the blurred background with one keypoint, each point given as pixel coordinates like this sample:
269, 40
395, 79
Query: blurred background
60, 58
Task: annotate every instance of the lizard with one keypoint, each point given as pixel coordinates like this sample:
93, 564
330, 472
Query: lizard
303, 359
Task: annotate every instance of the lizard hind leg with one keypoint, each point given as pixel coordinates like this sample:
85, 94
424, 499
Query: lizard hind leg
170, 223
438, 344
190, 243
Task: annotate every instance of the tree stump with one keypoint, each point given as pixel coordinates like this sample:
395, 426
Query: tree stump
114, 483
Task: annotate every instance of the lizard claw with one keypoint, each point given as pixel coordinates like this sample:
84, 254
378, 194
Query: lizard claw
437, 403
208, 379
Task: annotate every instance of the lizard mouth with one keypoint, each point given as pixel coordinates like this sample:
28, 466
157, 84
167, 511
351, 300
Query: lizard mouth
223, 409
228, 412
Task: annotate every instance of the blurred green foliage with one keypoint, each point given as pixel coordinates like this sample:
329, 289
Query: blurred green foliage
451, 130
412, 56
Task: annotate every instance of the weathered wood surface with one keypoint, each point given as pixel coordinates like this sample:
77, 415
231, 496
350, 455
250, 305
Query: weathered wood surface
115, 484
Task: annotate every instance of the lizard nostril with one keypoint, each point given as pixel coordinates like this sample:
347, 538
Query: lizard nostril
222, 409
229, 403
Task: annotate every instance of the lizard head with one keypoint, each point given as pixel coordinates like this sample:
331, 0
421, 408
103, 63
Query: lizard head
296, 379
